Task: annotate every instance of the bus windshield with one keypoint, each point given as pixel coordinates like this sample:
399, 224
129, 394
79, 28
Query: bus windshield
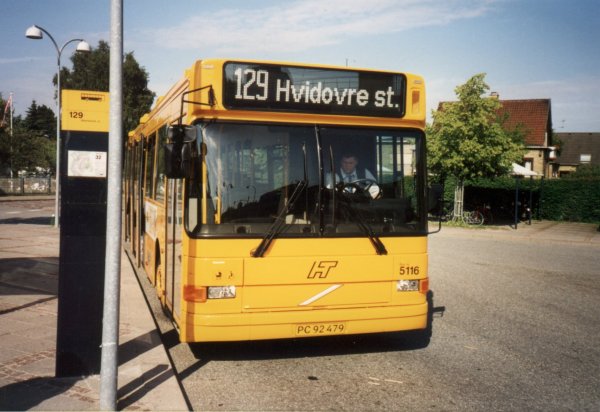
294, 180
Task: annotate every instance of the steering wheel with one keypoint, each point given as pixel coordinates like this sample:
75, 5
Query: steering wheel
367, 188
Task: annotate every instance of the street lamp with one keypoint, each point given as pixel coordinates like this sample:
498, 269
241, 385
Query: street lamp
35, 32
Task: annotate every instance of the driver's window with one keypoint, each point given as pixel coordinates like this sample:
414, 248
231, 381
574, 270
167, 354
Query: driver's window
348, 156
396, 164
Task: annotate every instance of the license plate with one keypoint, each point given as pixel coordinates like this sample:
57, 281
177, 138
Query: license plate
318, 329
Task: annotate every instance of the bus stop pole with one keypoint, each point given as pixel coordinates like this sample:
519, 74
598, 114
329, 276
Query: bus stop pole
110, 329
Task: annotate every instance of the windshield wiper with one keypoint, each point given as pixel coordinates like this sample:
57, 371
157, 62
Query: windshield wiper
279, 223
364, 226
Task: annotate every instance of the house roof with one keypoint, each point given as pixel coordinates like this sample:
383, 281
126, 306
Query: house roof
534, 116
573, 145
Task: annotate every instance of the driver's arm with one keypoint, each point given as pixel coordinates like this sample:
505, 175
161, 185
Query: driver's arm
374, 189
369, 175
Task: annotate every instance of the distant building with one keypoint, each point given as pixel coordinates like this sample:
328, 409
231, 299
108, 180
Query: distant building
534, 117
576, 149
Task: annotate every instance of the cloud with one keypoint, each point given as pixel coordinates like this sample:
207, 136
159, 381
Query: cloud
17, 60
575, 103
294, 26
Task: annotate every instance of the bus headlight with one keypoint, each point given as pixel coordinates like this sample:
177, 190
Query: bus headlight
221, 292
405, 285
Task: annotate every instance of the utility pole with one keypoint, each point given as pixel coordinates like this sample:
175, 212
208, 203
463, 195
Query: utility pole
110, 330
10, 99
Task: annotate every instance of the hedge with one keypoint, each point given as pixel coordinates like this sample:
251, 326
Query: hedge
575, 200
571, 200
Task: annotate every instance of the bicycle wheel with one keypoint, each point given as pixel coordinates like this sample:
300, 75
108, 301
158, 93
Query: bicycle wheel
475, 218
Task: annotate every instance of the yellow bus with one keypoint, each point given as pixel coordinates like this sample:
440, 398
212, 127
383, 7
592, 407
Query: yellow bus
240, 208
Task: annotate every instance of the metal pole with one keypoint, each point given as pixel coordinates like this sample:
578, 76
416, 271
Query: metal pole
110, 330
10, 99
57, 184
530, 206
516, 202
57, 178
541, 199
58, 119
58, 53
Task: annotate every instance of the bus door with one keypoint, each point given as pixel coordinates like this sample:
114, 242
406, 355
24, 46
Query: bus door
138, 217
135, 187
173, 250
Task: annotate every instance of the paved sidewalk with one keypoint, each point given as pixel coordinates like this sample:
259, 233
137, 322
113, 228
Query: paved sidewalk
28, 306
538, 231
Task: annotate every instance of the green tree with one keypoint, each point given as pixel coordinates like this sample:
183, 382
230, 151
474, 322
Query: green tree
26, 151
468, 139
40, 119
91, 72
30, 145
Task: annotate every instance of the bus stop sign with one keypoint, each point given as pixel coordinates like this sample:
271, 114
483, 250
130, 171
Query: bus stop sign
83, 174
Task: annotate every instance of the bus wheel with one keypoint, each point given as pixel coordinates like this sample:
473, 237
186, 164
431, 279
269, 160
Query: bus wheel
419, 339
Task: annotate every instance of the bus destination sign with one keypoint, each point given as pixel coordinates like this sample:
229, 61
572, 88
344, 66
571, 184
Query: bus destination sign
254, 86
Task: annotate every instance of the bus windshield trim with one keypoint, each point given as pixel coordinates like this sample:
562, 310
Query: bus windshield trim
273, 180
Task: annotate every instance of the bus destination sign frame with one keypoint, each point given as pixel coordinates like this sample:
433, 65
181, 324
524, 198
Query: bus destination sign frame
300, 89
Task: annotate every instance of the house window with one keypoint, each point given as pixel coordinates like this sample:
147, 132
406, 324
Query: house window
585, 158
528, 163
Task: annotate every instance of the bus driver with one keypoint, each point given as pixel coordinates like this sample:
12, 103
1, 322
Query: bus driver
350, 173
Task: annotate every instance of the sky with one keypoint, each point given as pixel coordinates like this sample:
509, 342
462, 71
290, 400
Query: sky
529, 49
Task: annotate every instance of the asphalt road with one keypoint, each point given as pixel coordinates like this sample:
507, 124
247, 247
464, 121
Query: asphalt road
27, 211
520, 331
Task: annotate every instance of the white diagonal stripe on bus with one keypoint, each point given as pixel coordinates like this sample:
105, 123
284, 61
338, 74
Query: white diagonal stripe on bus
320, 295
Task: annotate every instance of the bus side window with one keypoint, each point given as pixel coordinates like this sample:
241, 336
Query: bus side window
150, 157
159, 195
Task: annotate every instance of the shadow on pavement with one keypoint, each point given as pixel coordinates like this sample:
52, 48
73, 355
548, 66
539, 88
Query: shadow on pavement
24, 395
27, 276
140, 386
42, 220
137, 346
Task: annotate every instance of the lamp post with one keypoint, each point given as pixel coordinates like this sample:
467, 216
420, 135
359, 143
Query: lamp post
35, 32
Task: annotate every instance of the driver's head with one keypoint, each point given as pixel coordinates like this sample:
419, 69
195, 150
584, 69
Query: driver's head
349, 162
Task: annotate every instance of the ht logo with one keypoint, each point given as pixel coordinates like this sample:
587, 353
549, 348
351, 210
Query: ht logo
320, 269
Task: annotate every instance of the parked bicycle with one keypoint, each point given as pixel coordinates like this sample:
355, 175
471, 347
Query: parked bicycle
469, 217
486, 212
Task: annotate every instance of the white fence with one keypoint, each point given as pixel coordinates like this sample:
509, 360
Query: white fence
27, 186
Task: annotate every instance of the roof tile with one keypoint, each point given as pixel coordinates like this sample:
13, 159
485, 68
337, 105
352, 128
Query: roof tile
534, 116
573, 145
